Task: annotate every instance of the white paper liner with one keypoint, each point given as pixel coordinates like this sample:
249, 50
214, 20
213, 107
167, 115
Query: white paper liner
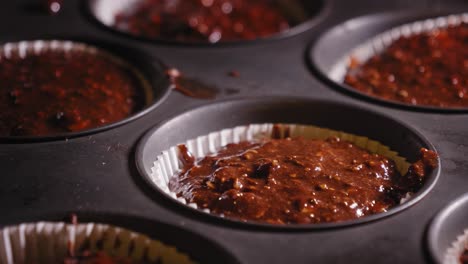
47, 242
167, 164
24, 48
379, 43
105, 10
452, 256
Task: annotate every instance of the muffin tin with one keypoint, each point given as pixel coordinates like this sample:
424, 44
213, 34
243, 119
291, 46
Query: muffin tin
95, 174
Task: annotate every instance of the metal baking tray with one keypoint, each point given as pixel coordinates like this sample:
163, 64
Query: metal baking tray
96, 175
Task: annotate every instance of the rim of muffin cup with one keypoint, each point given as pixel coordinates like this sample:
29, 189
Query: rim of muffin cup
447, 234
153, 84
141, 239
318, 13
396, 25
145, 159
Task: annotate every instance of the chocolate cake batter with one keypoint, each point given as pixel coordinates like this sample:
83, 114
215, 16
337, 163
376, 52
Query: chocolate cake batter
295, 180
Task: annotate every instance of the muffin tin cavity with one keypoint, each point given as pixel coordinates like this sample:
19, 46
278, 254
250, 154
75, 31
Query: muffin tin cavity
354, 42
74, 88
324, 114
116, 235
450, 225
207, 22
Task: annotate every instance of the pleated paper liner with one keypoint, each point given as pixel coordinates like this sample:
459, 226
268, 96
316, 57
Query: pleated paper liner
452, 256
48, 242
35, 47
167, 164
380, 42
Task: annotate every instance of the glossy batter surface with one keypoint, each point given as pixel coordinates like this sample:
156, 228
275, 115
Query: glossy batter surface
284, 181
56, 92
202, 20
429, 69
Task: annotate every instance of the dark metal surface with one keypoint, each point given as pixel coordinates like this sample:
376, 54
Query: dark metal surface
97, 173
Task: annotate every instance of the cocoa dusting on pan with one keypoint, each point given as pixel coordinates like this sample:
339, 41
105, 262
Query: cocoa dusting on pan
191, 87
234, 74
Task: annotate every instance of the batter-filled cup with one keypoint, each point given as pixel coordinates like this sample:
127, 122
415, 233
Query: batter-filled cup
419, 64
55, 242
210, 22
55, 87
168, 165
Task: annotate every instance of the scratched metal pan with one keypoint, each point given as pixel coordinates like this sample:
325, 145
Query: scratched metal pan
97, 172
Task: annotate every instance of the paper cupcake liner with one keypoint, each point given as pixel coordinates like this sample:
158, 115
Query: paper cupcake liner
106, 10
24, 48
452, 256
167, 164
47, 242
377, 44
